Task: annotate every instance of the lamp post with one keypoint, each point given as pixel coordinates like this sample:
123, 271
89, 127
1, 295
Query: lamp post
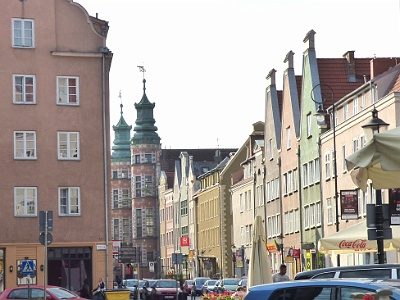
373, 125
320, 115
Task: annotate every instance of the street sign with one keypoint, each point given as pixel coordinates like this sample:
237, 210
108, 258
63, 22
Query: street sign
387, 234
151, 266
27, 267
42, 238
43, 220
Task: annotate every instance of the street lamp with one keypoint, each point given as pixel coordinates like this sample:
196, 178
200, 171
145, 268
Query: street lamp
233, 247
373, 125
320, 115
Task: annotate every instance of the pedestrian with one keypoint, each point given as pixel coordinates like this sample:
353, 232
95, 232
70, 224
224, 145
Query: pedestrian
85, 290
281, 276
193, 292
99, 290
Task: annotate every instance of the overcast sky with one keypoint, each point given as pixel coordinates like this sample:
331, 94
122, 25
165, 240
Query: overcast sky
206, 60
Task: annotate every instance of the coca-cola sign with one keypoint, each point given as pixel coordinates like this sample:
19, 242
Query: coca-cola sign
357, 244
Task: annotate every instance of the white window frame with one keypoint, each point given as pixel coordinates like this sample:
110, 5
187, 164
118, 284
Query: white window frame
65, 145
329, 211
345, 112
306, 217
25, 34
344, 167
296, 220
295, 180
25, 145
23, 197
311, 170
327, 165
64, 90
317, 175
288, 139
355, 145
318, 213
355, 106
23, 89
72, 202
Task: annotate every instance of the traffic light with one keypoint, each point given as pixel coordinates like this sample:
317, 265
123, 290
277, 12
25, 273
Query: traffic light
134, 254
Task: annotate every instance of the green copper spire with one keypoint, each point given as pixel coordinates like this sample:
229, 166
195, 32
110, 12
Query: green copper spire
122, 132
145, 131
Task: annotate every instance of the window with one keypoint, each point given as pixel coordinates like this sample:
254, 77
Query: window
24, 89
24, 145
139, 223
125, 232
295, 180
284, 183
69, 201
68, 145
136, 159
318, 214
271, 150
241, 203
184, 208
289, 182
355, 106
312, 215
345, 112
296, 220
116, 236
309, 125
306, 217
363, 141
305, 175
317, 173
327, 166
67, 90
329, 211
23, 33
333, 164
344, 167
355, 145
148, 158
25, 201
288, 138
150, 189
311, 172
115, 196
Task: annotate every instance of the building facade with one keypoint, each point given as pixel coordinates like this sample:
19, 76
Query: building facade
55, 74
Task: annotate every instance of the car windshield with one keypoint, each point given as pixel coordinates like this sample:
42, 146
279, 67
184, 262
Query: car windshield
62, 293
152, 282
200, 281
131, 283
167, 284
189, 282
142, 283
211, 282
231, 281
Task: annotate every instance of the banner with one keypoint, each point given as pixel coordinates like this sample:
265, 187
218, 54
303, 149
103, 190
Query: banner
349, 204
185, 242
394, 206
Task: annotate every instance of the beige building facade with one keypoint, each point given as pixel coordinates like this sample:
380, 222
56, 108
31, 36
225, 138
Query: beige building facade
55, 144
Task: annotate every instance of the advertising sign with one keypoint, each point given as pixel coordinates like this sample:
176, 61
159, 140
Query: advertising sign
394, 206
349, 204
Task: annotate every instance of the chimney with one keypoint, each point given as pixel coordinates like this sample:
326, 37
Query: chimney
351, 65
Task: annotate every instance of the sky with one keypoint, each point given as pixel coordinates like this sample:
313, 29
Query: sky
206, 60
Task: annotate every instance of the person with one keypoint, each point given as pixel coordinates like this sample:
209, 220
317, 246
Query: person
193, 292
85, 290
281, 276
98, 291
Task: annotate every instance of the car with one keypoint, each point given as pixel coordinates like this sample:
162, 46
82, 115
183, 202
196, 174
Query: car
228, 284
198, 283
243, 282
187, 286
323, 289
386, 271
131, 284
209, 286
37, 292
164, 289
144, 289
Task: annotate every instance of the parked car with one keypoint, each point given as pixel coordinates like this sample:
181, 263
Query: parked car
164, 289
37, 292
144, 290
131, 284
386, 271
198, 282
228, 284
326, 289
243, 282
187, 286
209, 286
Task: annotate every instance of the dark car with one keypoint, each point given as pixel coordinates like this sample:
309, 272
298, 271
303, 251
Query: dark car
164, 289
323, 289
198, 283
37, 292
386, 271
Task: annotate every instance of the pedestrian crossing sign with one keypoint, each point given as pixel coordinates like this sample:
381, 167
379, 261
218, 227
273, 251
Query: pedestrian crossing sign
27, 267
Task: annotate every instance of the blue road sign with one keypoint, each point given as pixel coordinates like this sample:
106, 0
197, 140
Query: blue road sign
27, 267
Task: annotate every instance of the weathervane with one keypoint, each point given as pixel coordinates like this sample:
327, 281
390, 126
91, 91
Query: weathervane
120, 99
142, 69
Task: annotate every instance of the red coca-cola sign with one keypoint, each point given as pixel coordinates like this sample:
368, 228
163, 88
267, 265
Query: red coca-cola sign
357, 244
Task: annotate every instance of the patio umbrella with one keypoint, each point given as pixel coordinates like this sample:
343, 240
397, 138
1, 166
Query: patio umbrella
259, 265
378, 160
354, 239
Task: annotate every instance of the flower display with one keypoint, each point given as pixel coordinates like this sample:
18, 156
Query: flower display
224, 296
368, 297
